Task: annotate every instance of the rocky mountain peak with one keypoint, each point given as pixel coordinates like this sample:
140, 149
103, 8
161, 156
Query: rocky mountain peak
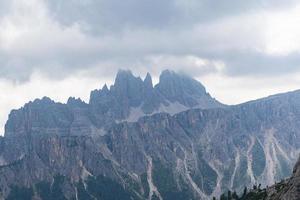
125, 78
44, 100
174, 84
148, 139
128, 99
105, 89
75, 102
123, 73
148, 81
177, 87
127, 86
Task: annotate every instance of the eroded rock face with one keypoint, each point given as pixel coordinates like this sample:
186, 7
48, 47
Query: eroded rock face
131, 97
294, 190
194, 154
288, 189
296, 171
127, 100
183, 89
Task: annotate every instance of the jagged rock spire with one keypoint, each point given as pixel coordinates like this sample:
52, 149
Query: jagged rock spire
148, 81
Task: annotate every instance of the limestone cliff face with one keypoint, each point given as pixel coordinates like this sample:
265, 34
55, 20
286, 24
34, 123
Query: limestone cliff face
293, 191
127, 100
131, 97
288, 189
71, 149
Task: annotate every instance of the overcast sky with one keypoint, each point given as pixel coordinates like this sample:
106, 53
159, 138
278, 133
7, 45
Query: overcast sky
240, 50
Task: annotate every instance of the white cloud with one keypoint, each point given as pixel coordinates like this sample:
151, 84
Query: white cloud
30, 39
282, 31
189, 64
235, 90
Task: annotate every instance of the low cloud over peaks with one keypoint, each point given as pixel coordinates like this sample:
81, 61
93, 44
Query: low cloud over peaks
60, 38
222, 43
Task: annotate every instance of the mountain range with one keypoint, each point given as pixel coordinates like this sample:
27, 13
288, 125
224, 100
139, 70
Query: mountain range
138, 141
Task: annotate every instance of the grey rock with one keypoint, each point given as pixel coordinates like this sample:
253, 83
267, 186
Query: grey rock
185, 90
287, 189
200, 152
130, 92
